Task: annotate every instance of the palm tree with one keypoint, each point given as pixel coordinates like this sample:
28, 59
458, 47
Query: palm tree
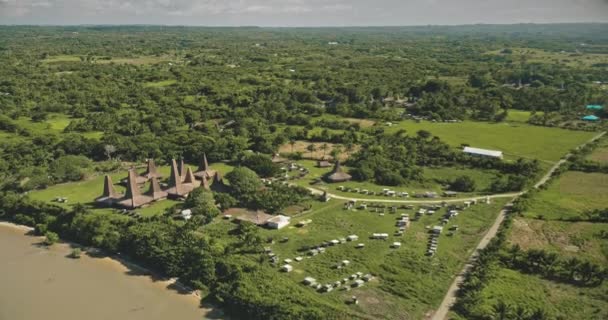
520, 313
501, 311
515, 252
571, 265
349, 148
539, 314
324, 147
335, 152
312, 148
292, 143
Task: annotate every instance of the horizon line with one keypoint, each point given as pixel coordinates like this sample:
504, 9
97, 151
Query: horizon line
296, 26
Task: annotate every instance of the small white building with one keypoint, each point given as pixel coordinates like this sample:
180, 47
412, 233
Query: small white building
381, 236
278, 222
352, 237
287, 268
483, 152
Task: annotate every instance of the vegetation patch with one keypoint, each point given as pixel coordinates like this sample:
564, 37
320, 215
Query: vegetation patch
571, 195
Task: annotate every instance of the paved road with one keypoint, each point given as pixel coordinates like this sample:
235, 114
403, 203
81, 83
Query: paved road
450, 297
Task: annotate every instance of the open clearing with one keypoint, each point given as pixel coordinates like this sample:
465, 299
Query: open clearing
159, 84
301, 146
565, 58
119, 60
572, 194
600, 154
562, 301
407, 283
514, 139
571, 239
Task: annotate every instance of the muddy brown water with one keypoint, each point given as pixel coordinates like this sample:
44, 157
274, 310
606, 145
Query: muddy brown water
40, 283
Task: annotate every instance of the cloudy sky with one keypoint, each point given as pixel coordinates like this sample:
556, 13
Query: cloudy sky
300, 12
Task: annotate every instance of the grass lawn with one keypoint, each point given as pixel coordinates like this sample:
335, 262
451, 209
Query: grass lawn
408, 284
159, 84
514, 139
300, 146
568, 239
434, 179
119, 60
564, 58
55, 124
570, 195
600, 154
562, 301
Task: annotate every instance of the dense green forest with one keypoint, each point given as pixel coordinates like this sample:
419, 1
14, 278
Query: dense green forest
81, 101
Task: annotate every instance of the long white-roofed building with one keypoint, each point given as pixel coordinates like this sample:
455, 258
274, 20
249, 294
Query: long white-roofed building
483, 152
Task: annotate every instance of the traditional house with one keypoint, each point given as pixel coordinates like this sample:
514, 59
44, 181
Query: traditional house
177, 187
155, 191
204, 171
338, 175
109, 196
133, 197
323, 164
218, 184
151, 171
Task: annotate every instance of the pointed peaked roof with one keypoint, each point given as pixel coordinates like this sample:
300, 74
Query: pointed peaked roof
155, 191
205, 184
204, 166
218, 183
189, 176
151, 170
108, 188
338, 175
180, 168
175, 180
132, 189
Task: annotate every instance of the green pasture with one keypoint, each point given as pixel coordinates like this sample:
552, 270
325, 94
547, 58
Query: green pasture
570, 195
408, 284
159, 84
570, 59
514, 139
569, 239
434, 180
562, 301
600, 154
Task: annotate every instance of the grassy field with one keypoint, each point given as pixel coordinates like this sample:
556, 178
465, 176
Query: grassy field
570, 239
434, 180
159, 84
54, 124
300, 146
514, 139
572, 194
564, 58
119, 60
407, 283
600, 154
562, 301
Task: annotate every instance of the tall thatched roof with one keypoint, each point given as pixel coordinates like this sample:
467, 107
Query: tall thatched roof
109, 195
178, 189
338, 175
204, 170
151, 170
133, 197
155, 191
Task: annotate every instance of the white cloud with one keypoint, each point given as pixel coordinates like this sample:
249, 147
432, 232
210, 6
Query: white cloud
299, 12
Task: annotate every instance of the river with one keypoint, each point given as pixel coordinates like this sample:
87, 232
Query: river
42, 283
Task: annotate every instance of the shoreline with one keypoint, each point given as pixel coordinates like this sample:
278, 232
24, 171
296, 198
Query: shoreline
121, 264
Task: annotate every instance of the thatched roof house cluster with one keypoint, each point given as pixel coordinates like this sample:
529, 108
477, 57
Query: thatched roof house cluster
181, 182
